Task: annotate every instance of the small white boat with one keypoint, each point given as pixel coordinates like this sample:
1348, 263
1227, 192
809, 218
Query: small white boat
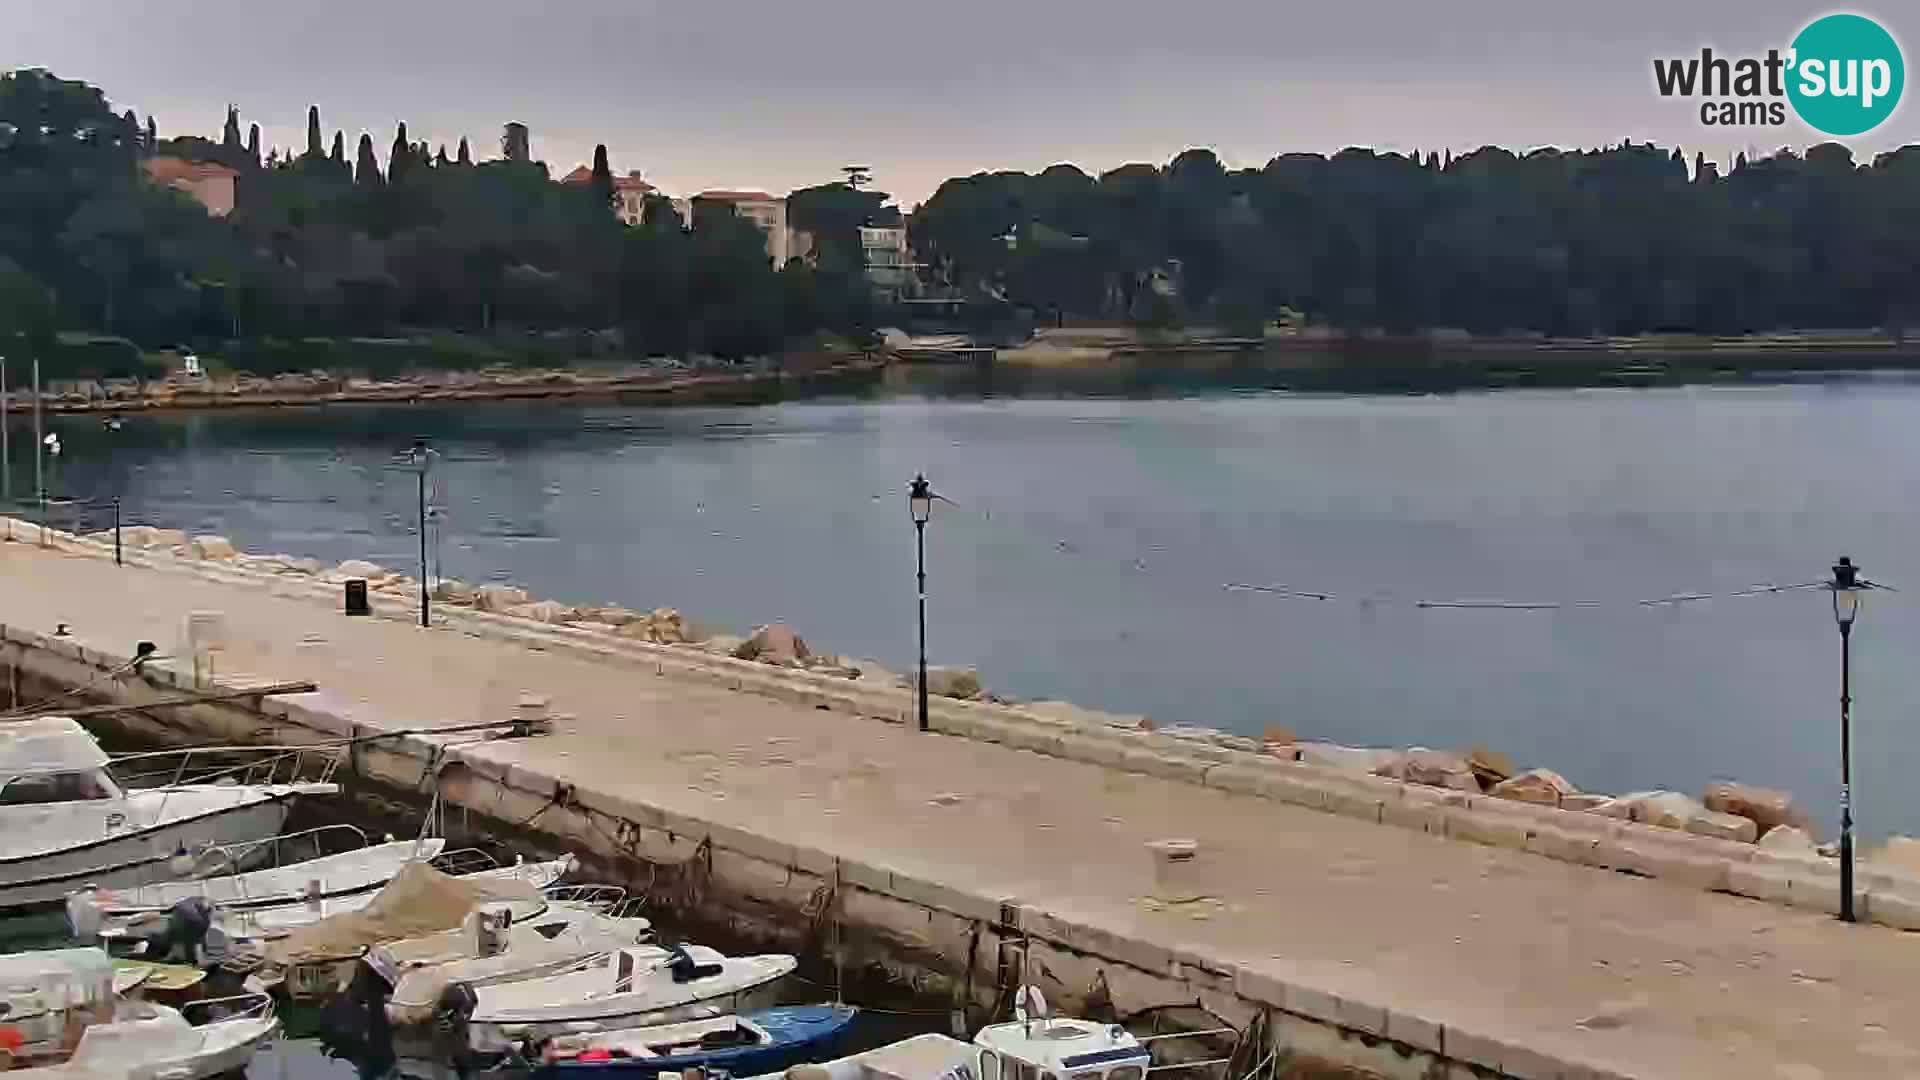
326, 877
494, 948
65, 822
922, 1057
630, 987
51, 997
1035, 1044
267, 922
145, 1041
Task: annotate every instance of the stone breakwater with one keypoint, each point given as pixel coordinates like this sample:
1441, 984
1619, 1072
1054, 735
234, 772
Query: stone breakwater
1736, 838
282, 391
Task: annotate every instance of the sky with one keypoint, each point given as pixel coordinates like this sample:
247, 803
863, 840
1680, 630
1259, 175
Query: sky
777, 96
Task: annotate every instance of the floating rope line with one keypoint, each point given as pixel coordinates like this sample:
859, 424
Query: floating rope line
1674, 600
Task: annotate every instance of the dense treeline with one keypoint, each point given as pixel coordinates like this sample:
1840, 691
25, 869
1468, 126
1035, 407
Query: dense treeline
1617, 241
319, 245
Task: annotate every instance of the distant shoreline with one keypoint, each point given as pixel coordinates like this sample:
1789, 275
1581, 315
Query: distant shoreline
308, 391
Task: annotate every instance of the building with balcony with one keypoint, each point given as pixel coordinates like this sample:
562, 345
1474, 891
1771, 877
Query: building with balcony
768, 213
209, 184
629, 193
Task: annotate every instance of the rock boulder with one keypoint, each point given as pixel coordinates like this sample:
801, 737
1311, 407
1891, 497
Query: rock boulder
214, 548
1540, 786
1435, 768
1765, 807
1901, 853
544, 611
1787, 840
1354, 759
953, 682
500, 597
452, 591
1672, 810
775, 643
360, 568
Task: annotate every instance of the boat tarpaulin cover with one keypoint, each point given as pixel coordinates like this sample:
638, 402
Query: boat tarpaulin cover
419, 900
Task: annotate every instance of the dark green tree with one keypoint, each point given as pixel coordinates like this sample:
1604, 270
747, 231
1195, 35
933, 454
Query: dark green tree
400, 157
465, 156
366, 169
230, 135
253, 144
601, 183
315, 150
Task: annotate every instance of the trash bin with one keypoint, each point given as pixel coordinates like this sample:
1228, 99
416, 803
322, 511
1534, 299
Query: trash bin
357, 597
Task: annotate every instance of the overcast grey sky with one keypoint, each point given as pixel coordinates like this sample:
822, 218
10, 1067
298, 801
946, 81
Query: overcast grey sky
780, 95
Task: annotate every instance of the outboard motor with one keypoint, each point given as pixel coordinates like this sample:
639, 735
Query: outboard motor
451, 1013
354, 1026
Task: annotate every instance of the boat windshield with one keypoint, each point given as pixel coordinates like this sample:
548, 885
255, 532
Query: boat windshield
58, 787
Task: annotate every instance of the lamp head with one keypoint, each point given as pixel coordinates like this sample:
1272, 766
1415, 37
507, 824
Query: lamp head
1846, 589
920, 500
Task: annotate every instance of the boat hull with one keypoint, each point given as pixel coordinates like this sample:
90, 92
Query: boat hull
488, 1038
798, 1034
140, 857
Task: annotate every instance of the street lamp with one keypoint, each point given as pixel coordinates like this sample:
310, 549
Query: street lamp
421, 456
920, 507
1846, 588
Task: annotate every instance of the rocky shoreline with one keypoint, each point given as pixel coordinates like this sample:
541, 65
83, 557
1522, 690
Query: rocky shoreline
1727, 811
293, 391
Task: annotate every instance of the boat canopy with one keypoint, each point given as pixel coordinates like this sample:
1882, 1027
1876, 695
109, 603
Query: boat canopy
48, 744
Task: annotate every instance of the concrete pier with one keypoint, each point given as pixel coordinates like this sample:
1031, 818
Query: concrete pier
1378, 948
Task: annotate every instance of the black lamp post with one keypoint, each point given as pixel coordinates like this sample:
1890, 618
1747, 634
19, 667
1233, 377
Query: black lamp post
1846, 587
920, 507
420, 456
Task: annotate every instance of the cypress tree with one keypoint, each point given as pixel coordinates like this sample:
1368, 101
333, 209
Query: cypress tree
253, 145
339, 155
602, 183
466, 155
1700, 167
440, 160
314, 149
132, 125
367, 170
399, 156
153, 135
230, 138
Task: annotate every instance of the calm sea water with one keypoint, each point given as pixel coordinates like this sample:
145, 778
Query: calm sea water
1090, 539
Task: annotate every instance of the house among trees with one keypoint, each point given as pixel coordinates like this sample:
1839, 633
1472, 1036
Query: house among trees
209, 183
629, 193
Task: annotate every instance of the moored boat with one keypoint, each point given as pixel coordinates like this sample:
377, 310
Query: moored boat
741, 1045
630, 987
65, 822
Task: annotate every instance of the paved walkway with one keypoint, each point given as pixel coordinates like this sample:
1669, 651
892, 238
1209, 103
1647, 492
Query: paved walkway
1645, 978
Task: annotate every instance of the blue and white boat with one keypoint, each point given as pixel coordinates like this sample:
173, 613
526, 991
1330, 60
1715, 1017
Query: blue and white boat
764, 1041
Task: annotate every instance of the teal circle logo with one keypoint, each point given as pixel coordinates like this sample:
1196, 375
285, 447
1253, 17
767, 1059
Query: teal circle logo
1846, 74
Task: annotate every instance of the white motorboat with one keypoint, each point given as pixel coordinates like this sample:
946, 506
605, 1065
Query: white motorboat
66, 823
493, 948
922, 1057
1034, 1044
629, 987
326, 877
266, 922
64, 1020
146, 1041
